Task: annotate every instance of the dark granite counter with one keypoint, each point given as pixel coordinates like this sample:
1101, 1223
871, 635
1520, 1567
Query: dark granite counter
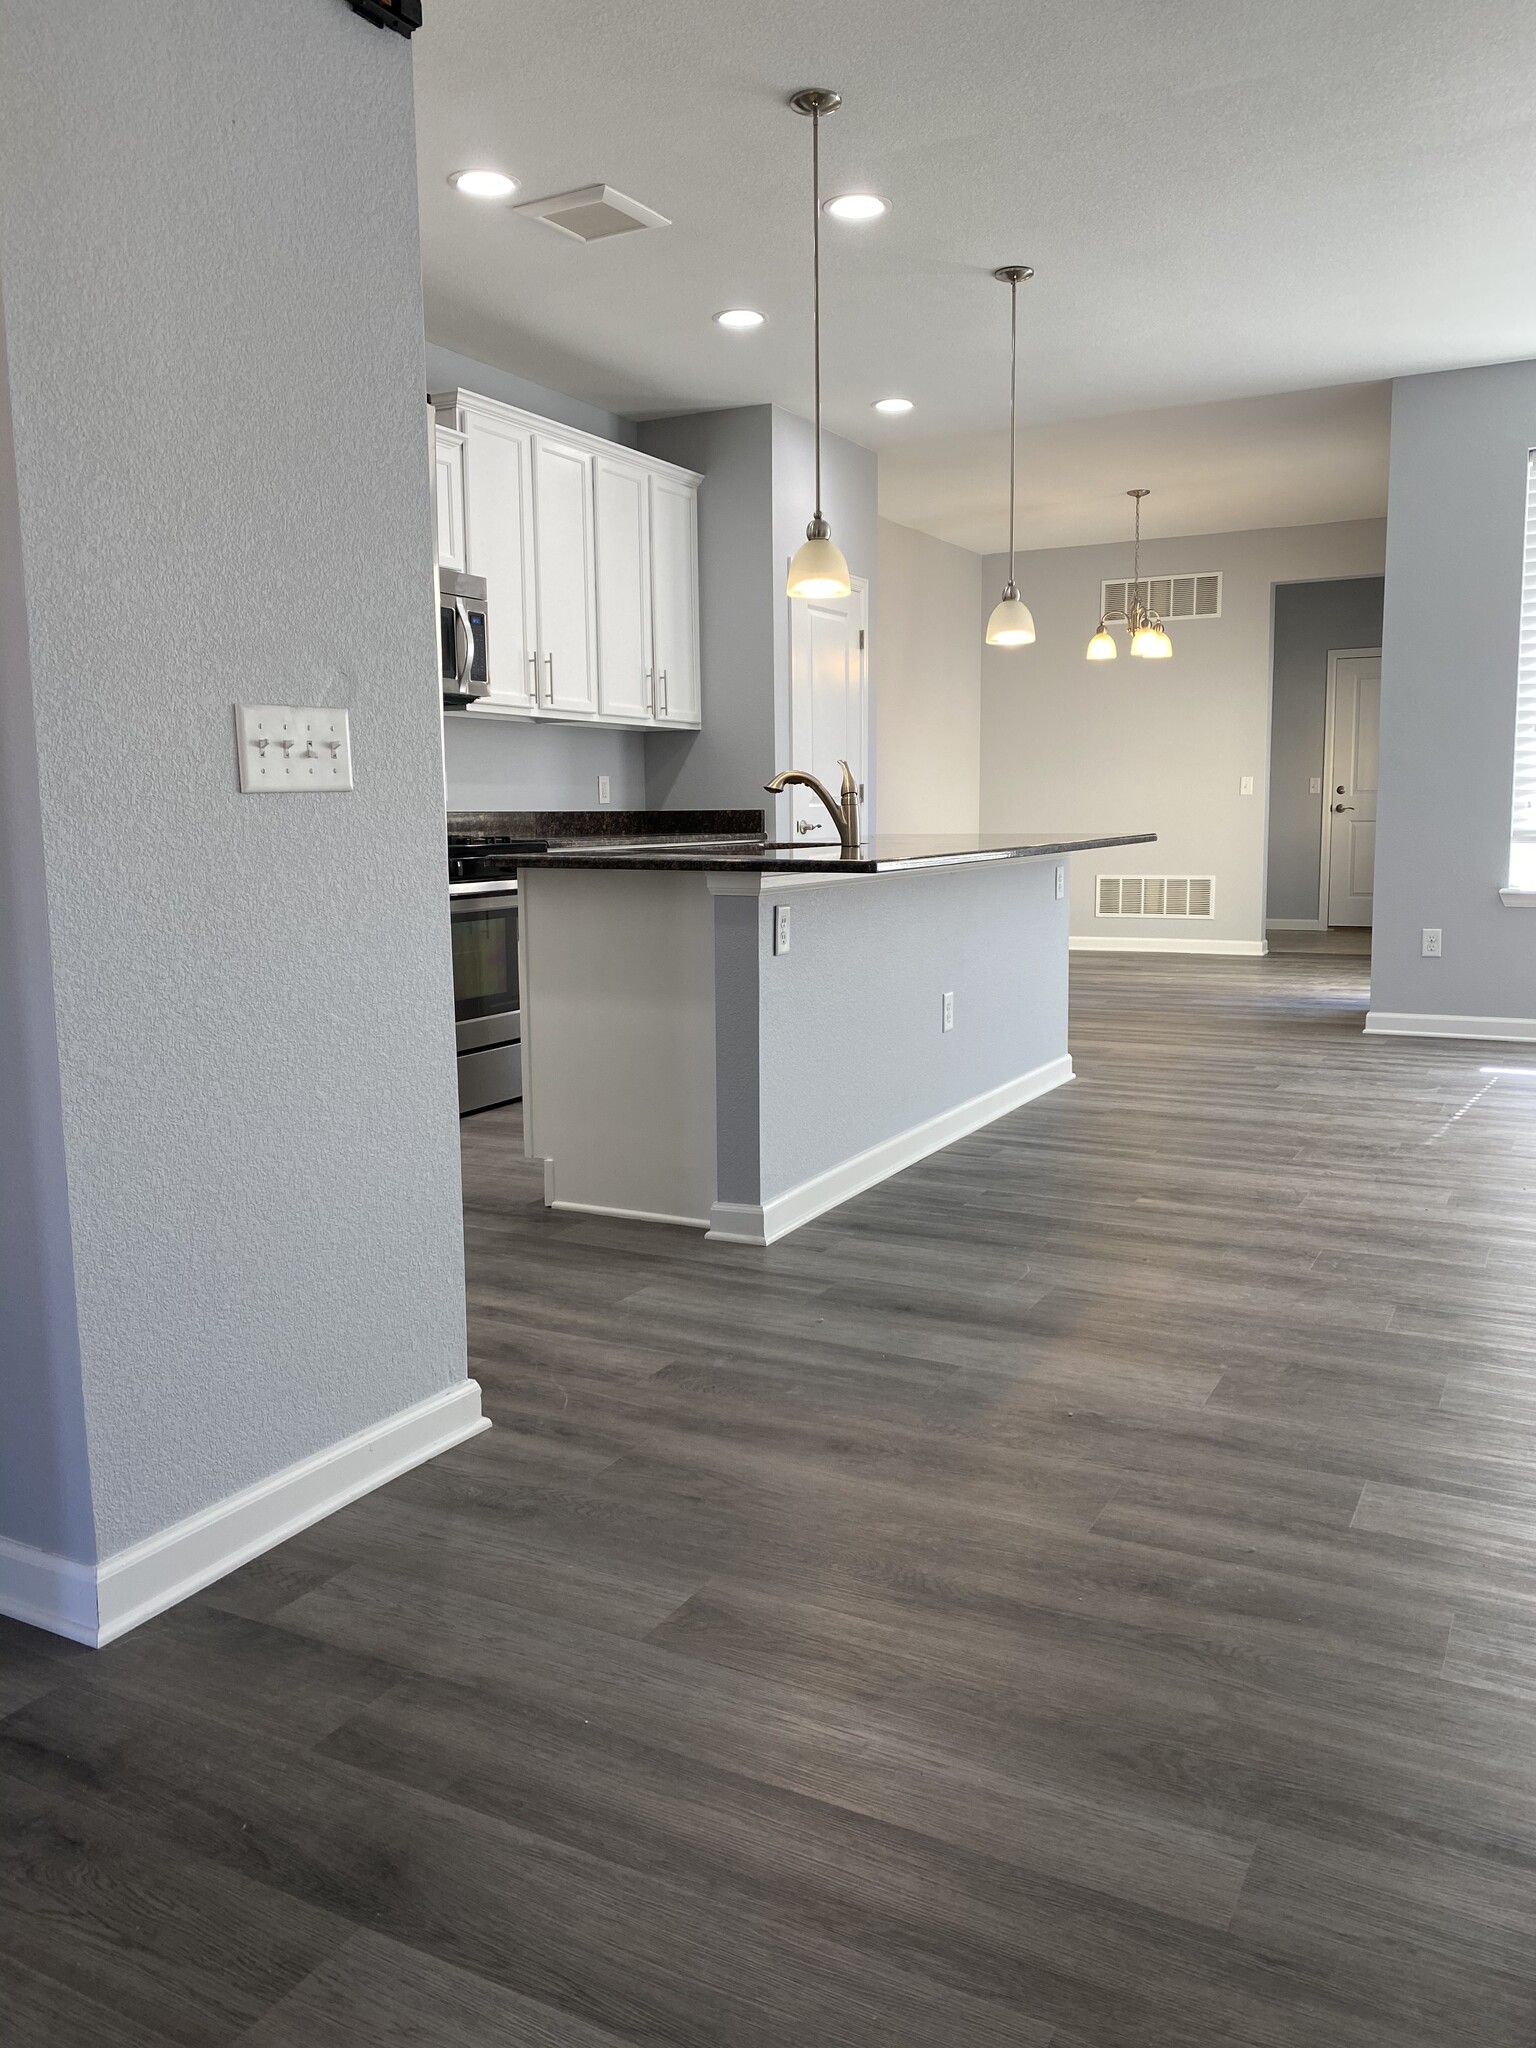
884, 854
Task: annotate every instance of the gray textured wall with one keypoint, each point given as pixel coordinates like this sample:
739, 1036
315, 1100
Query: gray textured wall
1450, 649
757, 495
45, 1498
210, 266
926, 683
731, 757
996, 936
1312, 620
1074, 746
502, 764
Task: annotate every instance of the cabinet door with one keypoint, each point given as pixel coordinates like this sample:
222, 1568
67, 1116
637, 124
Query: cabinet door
563, 571
675, 600
448, 497
498, 545
623, 591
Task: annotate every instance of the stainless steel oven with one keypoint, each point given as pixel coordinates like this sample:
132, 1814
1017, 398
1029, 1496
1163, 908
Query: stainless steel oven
464, 636
486, 1004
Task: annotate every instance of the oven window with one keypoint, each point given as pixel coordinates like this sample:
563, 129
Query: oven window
484, 962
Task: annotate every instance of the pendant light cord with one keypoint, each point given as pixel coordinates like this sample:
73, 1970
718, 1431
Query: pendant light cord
1013, 425
816, 284
1136, 557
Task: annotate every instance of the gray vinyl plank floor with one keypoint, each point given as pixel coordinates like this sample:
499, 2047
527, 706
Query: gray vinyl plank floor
1079, 1594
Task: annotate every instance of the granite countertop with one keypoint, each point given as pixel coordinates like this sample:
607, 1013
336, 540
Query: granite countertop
886, 853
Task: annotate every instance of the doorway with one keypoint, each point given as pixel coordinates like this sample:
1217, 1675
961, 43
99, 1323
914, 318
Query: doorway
828, 701
1350, 779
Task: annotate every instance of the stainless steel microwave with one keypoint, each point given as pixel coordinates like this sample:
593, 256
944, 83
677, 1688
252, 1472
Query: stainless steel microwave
463, 635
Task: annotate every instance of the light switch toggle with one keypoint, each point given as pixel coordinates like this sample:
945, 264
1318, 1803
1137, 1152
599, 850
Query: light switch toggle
287, 747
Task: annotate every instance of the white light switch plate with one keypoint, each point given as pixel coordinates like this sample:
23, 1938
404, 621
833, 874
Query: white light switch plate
1315, 786
286, 747
781, 928
603, 787
1245, 786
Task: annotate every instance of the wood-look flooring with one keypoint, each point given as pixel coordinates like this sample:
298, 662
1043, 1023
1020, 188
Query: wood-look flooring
1081, 1594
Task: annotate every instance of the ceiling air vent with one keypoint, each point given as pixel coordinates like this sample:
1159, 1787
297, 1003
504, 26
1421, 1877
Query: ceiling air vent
1171, 597
1157, 896
593, 214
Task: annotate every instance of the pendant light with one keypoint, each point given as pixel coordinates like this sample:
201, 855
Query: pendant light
1012, 623
819, 568
1149, 642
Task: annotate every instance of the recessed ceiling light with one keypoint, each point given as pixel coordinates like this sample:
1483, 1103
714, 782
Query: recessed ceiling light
856, 206
739, 317
483, 184
893, 405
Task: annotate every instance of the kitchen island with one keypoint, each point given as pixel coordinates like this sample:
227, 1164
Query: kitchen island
738, 1036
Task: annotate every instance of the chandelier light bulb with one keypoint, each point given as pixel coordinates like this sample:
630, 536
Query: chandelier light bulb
1102, 646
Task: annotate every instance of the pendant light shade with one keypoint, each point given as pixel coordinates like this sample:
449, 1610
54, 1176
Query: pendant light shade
1012, 623
1149, 640
819, 568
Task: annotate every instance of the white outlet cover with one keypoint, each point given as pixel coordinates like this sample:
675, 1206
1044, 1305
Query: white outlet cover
289, 747
1061, 882
603, 789
949, 1011
781, 928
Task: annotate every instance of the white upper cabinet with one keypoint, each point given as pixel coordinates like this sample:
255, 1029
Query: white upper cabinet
675, 600
498, 545
563, 561
448, 497
590, 557
624, 686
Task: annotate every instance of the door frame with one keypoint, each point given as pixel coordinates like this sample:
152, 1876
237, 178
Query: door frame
859, 587
1335, 656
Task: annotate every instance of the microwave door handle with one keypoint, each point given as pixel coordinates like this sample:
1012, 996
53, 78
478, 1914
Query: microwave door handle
463, 642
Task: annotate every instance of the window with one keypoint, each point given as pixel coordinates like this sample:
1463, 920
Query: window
1171, 597
1522, 824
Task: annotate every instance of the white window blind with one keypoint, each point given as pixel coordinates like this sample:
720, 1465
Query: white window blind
1522, 830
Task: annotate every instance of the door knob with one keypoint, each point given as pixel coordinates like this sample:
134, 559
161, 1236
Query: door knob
1343, 807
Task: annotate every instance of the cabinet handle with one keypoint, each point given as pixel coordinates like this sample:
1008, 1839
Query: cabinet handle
650, 691
533, 687
664, 697
549, 663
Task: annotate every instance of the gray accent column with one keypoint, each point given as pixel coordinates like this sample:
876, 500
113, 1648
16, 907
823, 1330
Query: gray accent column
740, 935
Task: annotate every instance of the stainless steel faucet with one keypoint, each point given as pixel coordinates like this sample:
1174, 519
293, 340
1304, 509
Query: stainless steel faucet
844, 815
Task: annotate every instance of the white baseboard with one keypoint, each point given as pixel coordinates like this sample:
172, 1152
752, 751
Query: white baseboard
1247, 949
95, 1603
763, 1223
631, 1215
1424, 1024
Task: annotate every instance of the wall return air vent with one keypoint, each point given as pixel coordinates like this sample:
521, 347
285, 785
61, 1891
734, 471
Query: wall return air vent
593, 213
1157, 896
1171, 597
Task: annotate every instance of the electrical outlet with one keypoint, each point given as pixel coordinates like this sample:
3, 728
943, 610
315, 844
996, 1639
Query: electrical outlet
1245, 787
781, 928
949, 1010
287, 747
1431, 942
1061, 880
1315, 786
603, 787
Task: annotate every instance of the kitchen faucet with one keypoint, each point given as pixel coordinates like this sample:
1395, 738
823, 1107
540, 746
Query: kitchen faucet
844, 815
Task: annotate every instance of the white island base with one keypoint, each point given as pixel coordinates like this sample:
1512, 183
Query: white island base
678, 1069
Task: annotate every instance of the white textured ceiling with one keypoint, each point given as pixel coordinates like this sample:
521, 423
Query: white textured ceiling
1232, 209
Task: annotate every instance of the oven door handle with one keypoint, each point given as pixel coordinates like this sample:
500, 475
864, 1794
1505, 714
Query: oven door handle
463, 642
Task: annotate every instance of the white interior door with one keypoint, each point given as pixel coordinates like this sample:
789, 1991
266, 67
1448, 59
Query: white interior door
829, 702
623, 591
563, 569
1349, 822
